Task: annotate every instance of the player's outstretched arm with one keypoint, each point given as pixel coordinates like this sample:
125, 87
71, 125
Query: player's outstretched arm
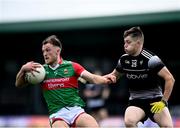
97, 79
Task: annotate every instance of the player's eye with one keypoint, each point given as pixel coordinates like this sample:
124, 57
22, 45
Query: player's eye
48, 49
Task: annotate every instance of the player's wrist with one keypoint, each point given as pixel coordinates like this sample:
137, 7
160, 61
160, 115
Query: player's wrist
164, 101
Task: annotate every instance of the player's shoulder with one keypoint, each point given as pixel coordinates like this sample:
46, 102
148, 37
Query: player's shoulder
147, 53
73, 63
67, 62
150, 56
45, 65
124, 56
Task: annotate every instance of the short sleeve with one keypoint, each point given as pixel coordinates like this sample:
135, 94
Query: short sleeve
155, 64
77, 68
119, 66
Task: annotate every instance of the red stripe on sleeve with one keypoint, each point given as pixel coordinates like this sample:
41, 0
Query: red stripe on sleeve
78, 68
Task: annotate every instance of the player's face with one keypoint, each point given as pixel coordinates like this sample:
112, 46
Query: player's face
50, 53
130, 45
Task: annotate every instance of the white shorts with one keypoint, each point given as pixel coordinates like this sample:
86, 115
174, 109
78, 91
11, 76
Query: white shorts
67, 114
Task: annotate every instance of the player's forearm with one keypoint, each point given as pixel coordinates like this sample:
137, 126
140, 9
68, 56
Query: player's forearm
93, 78
99, 80
168, 88
20, 79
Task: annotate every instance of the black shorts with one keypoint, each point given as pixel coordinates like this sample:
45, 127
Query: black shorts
144, 104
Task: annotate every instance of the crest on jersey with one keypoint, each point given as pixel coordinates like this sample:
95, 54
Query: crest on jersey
127, 62
65, 71
134, 63
141, 62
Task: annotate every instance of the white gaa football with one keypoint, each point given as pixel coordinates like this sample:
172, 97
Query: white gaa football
34, 77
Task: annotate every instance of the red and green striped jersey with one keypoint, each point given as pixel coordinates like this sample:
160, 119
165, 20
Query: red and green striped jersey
60, 87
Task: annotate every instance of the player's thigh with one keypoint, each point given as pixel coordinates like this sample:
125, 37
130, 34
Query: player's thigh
86, 120
60, 124
164, 118
103, 113
133, 114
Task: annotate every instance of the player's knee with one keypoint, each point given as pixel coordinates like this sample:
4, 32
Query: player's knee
130, 122
166, 125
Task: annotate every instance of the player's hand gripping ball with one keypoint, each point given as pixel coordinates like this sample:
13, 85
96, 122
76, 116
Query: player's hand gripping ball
36, 77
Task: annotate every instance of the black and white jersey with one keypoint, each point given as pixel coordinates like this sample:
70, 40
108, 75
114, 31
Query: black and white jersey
141, 74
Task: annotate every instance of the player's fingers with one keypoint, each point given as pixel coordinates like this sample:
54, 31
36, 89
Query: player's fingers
113, 79
37, 65
32, 74
158, 111
153, 110
108, 81
35, 69
152, 104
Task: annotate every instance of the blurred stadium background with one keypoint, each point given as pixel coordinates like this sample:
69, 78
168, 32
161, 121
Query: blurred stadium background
91, 32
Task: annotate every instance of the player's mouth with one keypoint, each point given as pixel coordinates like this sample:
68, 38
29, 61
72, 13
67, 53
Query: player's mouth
46, 58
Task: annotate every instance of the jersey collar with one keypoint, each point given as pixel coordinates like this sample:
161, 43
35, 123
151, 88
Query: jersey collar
57, 65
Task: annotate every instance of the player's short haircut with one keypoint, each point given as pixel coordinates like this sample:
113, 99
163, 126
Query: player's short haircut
53, 40
134, 32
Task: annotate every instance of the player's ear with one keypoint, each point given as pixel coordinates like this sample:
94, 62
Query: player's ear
59, 50
139, 42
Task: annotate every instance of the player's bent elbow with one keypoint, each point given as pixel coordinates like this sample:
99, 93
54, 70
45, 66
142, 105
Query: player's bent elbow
172, 79
19, 85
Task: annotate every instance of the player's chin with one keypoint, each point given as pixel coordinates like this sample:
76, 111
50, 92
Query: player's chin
126, 51
47, 62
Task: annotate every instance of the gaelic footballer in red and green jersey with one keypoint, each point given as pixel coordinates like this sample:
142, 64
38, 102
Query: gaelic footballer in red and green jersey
60, 87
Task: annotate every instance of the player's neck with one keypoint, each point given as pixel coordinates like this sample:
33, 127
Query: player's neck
57, 62
60, 60
137, 52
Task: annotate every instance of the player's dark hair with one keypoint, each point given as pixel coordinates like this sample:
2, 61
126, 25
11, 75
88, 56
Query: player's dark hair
53, 40
134, 32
